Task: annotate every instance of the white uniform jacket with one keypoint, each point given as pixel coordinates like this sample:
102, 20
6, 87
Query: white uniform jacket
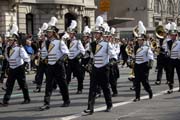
43, 51
75, 48
17, 56
175, 50
56, 50
143, 54
102, 54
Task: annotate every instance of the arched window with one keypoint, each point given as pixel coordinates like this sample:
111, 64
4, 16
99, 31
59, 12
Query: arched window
85, 21
29, 23
68, 18
169, 7
157, 6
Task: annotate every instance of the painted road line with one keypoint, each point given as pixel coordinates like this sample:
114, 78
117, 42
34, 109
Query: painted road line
114, 105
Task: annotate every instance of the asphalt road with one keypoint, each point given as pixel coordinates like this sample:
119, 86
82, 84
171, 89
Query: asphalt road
162, 107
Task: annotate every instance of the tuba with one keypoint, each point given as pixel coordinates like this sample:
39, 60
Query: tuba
135, 31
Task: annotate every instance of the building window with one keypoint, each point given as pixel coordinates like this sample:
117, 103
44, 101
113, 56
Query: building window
85, 21
68, 18
29, 23
157, 6
169, 7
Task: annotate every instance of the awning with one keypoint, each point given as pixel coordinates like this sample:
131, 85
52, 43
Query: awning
117, 21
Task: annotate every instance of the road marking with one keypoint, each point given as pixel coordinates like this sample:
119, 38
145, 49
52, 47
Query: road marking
72, 85
129, 114
16, 95
114, 105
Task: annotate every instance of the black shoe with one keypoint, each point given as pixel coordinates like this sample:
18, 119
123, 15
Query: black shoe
88, 111
108, 109
79, 92
169, 91
158, 82
27, 101
114, 95
136, 99
37, 90
150, 95
65, 104
179, 90
132, 88
4, 104
4, 89
44, 107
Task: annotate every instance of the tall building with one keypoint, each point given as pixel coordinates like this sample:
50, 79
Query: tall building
29, 15
151, 12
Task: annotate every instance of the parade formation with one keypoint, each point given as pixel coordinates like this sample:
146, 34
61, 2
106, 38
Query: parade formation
99, 53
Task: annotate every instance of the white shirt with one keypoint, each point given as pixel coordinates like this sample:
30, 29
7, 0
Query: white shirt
143, 54
175, 50
56, 50
102, 55
43, 51
76, 48
17, 56
114, 55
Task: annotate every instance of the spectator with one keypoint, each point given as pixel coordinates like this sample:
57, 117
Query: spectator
30, 52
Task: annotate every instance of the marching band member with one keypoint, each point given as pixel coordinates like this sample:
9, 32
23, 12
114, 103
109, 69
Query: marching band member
57, 54
114, 70
143, 62
42, 65
16, 56
86, 60
76, 50
100, 69
174, 54
161, 51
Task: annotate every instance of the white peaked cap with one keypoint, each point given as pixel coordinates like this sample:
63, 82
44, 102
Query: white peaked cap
113, 30
14, 30
73, 24
87, 30
65, 36
99, 21
141, 28
53, 21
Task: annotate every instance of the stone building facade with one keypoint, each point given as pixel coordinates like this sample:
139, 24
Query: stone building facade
151, 12
29, 15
